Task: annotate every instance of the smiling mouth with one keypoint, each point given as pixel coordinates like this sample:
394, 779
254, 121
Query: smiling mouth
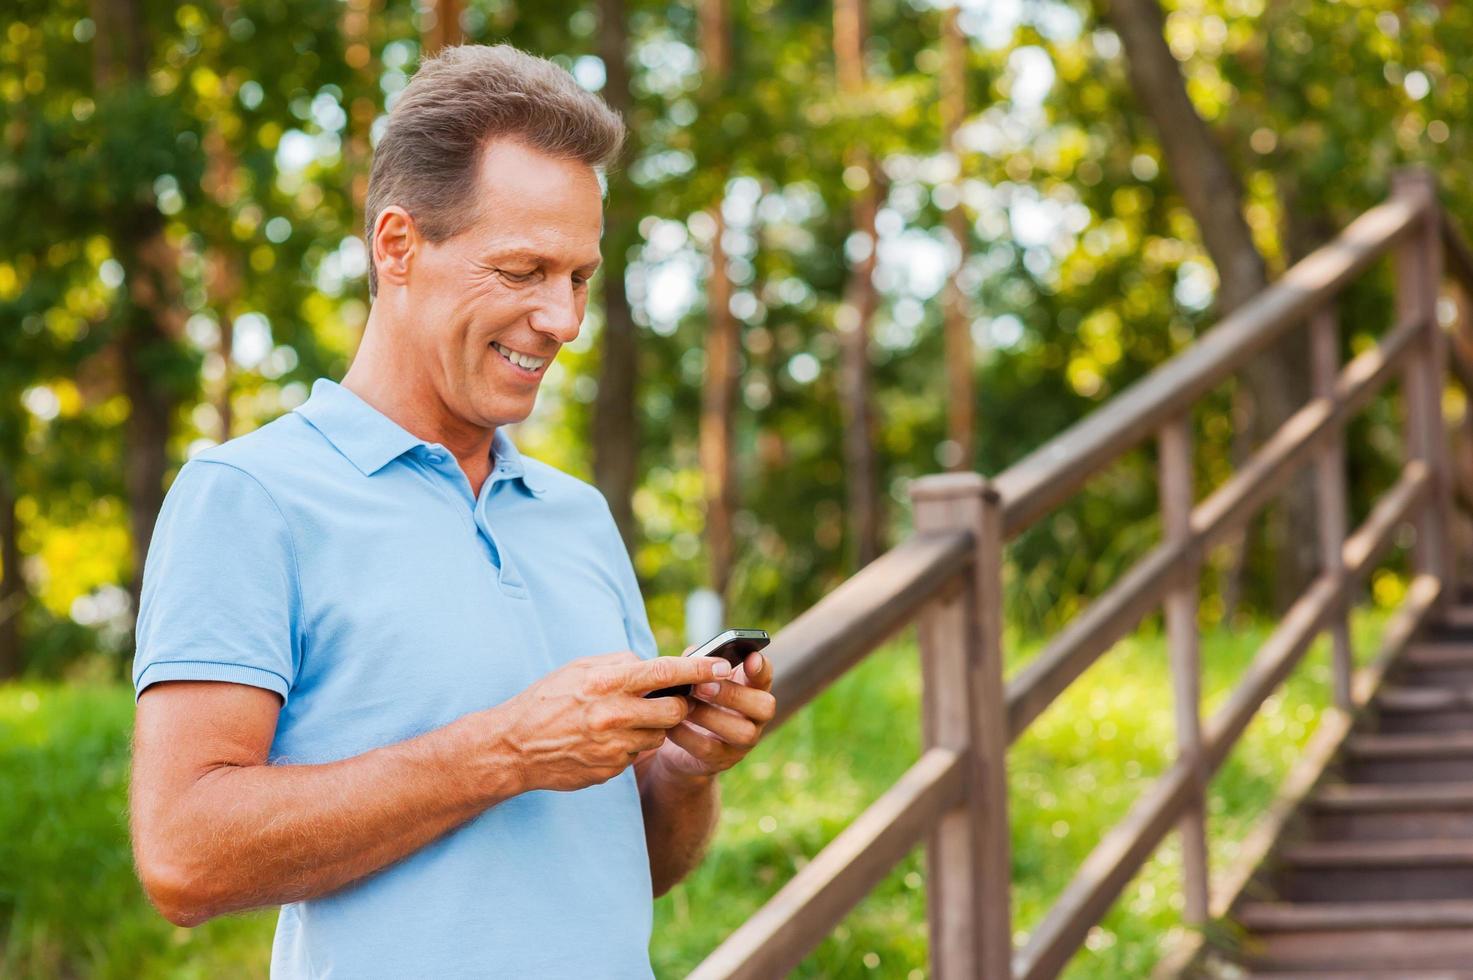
524, 361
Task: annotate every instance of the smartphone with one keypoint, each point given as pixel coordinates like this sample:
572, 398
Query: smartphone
731, 646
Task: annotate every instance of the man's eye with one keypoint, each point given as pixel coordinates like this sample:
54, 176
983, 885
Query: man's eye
517, 276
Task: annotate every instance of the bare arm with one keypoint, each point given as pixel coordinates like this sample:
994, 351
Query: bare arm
216, 829
680, 814
677, 781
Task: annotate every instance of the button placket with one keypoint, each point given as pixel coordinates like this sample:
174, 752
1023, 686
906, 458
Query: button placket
507, 576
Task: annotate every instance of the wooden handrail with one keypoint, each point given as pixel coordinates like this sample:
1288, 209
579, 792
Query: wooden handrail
808, 907
1122, 606
1302, 622
860, 615
1123, 850
947, 578
1040, 481
1459, 255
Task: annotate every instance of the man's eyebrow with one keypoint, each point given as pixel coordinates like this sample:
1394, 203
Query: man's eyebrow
537, 259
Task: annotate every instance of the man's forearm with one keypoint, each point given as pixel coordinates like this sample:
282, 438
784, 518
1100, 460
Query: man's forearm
246, 836
680, 814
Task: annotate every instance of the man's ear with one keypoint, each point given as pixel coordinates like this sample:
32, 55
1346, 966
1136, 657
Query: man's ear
396, 243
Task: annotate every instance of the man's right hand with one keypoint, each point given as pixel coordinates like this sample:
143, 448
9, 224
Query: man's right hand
587, 721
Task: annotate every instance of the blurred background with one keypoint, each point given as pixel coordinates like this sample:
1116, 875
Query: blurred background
850, 244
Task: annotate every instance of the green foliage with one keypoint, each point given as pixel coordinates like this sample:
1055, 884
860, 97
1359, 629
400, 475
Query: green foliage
1085, 271
69, 902
68, 893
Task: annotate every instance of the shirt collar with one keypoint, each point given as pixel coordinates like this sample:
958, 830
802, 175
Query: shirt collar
508, 463
371, 440
368, 437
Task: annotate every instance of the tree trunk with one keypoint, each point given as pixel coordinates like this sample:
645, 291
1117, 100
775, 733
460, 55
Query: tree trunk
717, 403
444, 31
718, 395
1276, 381
14, 595
959, 348
151, 408
358, 53
224, 277
616, 431
155, 315
858, 308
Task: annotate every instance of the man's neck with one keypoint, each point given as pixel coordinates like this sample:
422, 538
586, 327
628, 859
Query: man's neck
416, 408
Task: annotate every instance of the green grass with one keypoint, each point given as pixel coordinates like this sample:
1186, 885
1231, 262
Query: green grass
69, 905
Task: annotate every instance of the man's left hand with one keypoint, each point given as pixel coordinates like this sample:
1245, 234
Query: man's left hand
726, 720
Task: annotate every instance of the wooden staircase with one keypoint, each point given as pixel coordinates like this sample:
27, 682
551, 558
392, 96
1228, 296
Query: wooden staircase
1375, 877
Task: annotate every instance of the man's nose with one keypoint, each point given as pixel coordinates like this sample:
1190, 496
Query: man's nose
560, 313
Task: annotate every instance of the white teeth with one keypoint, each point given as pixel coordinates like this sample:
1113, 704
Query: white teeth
519, 359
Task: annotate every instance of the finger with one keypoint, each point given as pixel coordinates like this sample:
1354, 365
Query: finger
757, 671
728, 726
660, 713
646, 740
707, 749
758, 705
606, 670
652, 675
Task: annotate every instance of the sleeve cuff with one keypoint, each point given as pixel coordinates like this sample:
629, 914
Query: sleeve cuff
206, 670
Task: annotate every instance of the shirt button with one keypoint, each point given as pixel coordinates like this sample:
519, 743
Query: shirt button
435, 458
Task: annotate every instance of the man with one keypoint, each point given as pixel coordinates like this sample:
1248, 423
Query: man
390, 673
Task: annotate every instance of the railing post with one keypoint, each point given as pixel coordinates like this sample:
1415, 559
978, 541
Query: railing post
1460, 458
1418, 278
1177, 496
968, 856
1324, 344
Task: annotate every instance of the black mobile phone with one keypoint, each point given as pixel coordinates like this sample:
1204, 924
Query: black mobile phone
731, 646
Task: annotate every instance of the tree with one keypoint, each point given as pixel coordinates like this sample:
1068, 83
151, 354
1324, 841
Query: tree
14, 595
961, 410
151, 320
718, 395
1214, 195
616, 422
860, 301
441, 26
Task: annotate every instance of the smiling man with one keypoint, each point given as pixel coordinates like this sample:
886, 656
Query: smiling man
390, 672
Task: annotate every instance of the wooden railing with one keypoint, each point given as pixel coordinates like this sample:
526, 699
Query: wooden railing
947, 579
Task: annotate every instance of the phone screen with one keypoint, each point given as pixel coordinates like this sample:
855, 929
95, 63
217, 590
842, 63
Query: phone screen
730, 645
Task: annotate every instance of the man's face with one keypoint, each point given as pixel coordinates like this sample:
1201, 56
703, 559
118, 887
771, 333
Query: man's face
493, 305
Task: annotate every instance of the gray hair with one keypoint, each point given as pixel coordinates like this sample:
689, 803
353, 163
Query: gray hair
457, 102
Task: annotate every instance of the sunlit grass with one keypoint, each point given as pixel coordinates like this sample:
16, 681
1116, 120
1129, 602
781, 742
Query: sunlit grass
69, 904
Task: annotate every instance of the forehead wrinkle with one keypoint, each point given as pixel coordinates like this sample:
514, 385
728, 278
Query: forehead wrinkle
509, 238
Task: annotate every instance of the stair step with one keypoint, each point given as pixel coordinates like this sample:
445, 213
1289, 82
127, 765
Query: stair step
1414, 758
1403, 698
1328, 916
1393, 811
1376, 870
1339, 950
1437, 656
1405, 709
1452, 745
1448, 663
1395, 797
1373, 855
1456, 619
1340, 974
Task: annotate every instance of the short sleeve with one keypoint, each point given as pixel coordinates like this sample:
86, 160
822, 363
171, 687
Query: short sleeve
636, 618
220, 589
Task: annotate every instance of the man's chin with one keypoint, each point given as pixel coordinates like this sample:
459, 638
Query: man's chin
502, 411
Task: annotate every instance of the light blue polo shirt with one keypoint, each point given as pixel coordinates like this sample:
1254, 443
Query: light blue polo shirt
334, 558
